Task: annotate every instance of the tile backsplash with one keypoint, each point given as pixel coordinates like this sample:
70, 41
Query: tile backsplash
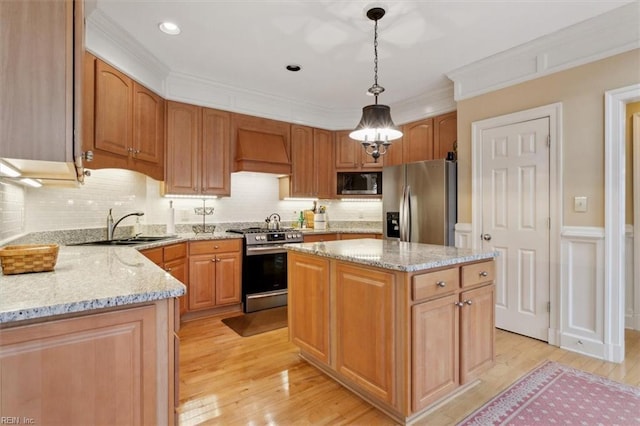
254, 197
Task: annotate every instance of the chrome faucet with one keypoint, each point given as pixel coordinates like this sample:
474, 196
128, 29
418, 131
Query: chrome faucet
111, 227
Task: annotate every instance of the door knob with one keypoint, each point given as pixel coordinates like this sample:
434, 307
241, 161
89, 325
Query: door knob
486, 237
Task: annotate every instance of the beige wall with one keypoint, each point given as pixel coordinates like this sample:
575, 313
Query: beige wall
581, 92
632, 108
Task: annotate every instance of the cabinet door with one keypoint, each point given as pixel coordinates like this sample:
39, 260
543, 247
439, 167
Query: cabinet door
308, 282
303, 173
216, 156
227, 278
202, 276
325, 177
179, 269
417, 141
183, 152
95, 369
36, 80
346, 155
445, 134
393, 157
434, 351
365, 325
477, 332
113, 110
148, 125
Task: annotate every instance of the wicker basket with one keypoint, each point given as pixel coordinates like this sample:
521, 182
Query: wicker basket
28, 258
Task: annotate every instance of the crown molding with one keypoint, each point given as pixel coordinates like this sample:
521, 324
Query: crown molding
606, 35
107, 40
428, 104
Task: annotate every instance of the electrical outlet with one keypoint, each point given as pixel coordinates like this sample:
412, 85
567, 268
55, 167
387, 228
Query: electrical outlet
580, 204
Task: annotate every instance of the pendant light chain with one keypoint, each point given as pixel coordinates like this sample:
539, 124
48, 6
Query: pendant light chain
375, 60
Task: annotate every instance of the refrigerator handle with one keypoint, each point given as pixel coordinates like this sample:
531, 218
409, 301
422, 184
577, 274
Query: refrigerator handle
405, 214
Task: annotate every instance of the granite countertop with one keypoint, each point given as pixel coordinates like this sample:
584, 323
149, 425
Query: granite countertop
394, 255
85, 278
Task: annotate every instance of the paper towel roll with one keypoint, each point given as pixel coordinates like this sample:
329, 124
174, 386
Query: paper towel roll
171, 219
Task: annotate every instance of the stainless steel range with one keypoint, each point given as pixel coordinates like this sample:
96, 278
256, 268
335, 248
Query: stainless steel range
264, 266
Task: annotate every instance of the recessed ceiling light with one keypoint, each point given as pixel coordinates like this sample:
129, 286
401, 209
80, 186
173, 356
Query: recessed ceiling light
294, 68
169, 28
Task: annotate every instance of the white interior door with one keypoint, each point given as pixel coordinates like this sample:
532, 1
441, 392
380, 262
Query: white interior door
515, 222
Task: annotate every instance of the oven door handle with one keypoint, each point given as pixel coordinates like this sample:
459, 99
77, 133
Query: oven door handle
272, 249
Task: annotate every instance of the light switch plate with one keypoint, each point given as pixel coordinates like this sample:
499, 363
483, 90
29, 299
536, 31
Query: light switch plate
580, 204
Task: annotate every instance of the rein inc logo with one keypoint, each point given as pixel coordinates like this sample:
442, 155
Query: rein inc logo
17, 420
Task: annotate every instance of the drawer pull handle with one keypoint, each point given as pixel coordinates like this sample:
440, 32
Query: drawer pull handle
441, 284
468, 302
484, 274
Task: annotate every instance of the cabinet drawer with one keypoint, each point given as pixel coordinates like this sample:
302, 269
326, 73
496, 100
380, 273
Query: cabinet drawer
215, 246
175, 251
154, 255
436, 283
478, 273
318, 238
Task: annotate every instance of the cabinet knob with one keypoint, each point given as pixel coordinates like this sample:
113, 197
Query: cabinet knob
484, 274
214, 260
216, 247
441, 284
129, 150
136, 151
468, 302
87, 156
458, 304
168, 269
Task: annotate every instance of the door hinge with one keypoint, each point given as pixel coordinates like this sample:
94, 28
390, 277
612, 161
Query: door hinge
548, 140
548, 307
548, 223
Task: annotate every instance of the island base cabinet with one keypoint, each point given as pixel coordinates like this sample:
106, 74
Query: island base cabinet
477, 332
435, 351
106, 368
309, 305
365, 329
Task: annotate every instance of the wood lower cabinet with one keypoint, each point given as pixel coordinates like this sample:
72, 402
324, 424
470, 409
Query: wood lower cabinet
318, 238
356, 236
123, 121
214, 273
402, 340
102, 368
173, 259
198, 150
365, 325
309, 305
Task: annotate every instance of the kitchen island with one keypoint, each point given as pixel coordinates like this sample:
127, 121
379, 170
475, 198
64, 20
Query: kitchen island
92, 342
403, 325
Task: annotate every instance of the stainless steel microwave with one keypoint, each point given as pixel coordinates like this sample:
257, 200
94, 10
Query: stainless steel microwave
359, 183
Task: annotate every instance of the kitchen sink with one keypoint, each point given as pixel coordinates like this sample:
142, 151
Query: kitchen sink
140, 239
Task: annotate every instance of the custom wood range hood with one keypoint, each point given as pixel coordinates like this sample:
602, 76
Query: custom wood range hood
261, 145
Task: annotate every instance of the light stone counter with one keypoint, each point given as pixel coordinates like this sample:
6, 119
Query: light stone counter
394, 255
85, 278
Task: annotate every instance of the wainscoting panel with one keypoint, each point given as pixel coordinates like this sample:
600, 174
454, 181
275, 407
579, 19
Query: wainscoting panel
582, 290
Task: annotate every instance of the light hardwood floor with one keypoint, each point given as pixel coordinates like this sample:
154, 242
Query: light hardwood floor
226, 379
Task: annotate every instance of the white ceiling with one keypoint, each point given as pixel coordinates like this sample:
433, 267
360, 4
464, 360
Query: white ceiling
247, 44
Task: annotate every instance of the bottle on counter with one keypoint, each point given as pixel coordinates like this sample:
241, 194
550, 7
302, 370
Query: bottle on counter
295, 219
301, 219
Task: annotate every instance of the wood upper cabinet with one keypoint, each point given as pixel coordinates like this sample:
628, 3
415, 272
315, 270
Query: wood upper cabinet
309, 306
214, 273
124, 121
312, 170
37, 48
365, 325
350, 154
445, 134
417, 141
303, 162
197, 150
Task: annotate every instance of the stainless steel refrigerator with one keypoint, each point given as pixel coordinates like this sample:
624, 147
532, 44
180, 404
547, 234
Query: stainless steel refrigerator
419, 202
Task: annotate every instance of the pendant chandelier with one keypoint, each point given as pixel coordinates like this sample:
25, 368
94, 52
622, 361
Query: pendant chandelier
376, 129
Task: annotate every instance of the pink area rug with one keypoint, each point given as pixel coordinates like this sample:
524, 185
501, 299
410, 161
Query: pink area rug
554, 394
